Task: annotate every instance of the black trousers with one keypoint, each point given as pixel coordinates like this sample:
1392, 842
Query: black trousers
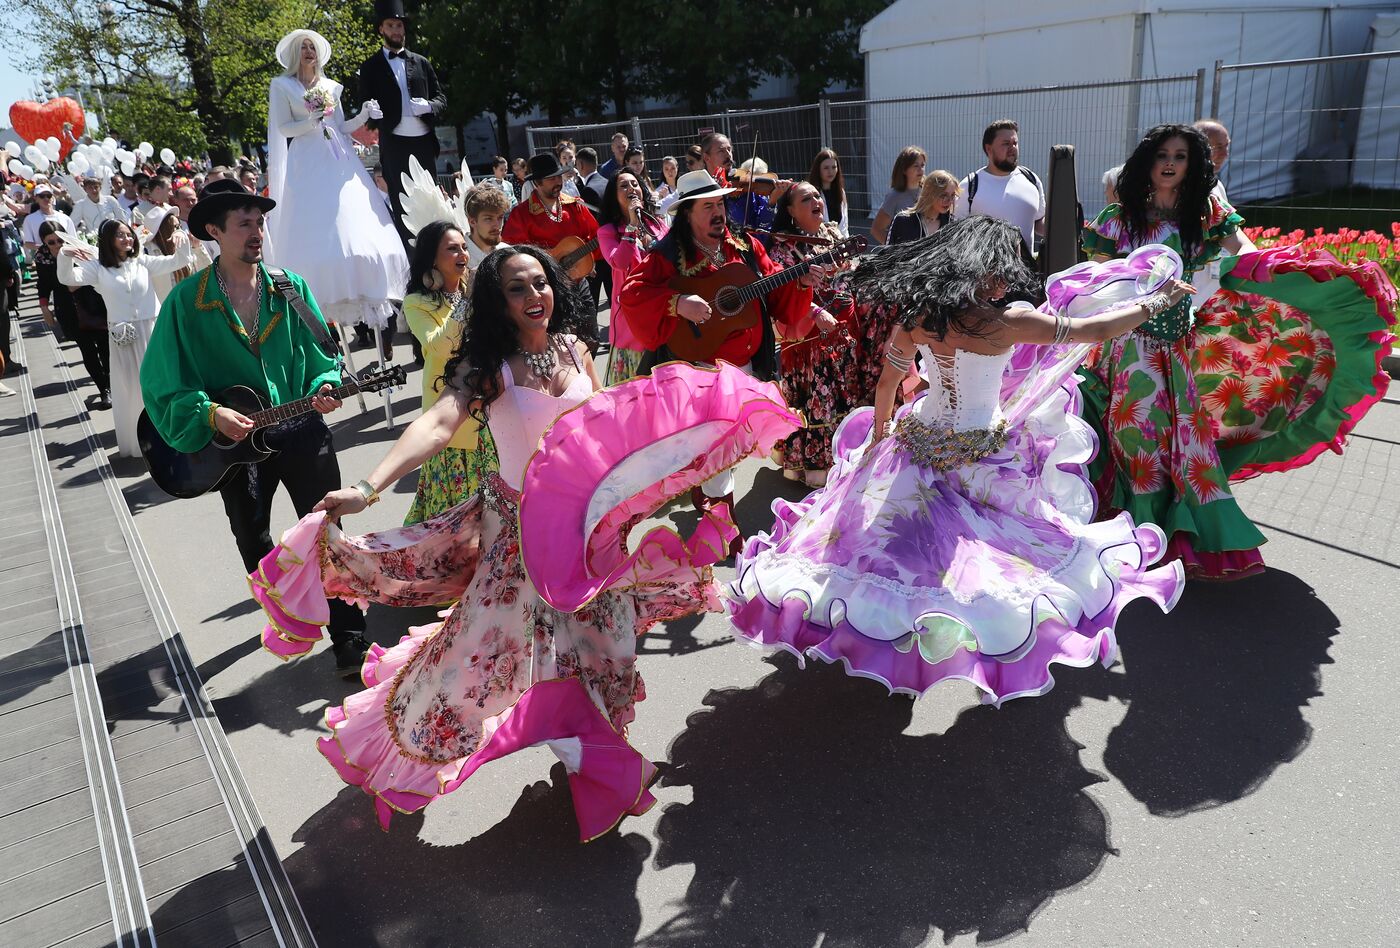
95, 346
306, 465
394, 152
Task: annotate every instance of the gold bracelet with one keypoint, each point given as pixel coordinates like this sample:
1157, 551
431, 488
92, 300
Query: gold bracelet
367, 491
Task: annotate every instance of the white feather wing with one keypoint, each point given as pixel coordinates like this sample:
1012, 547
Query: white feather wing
423, 201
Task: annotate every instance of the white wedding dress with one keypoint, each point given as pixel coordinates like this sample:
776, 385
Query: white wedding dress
331, 225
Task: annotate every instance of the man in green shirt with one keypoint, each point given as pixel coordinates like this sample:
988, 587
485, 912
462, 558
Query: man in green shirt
226, 325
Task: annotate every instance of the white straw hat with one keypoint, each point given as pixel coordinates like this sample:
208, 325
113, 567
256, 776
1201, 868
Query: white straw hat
289, 48
694, 185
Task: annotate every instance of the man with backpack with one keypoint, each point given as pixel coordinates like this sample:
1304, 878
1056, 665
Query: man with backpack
1002, 188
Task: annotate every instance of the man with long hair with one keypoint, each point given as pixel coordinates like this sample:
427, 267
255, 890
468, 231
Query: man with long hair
698, 243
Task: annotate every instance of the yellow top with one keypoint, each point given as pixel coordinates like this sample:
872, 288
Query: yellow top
429, 321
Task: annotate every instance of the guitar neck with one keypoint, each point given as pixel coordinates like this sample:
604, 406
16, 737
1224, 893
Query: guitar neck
302, 406
770, 283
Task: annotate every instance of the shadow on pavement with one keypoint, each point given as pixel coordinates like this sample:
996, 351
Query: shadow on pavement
816, 820
1216, 691
527, 881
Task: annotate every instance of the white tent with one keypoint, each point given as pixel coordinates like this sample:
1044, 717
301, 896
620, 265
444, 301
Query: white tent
1378, 136
918, 48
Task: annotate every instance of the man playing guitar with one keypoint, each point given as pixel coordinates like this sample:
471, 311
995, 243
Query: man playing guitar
226, 325
699, 242
550, 216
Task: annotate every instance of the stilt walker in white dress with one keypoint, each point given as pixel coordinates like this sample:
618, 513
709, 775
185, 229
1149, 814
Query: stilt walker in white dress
334, 229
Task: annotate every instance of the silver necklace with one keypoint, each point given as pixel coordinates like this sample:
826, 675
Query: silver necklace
716, 256
257, 314
542, 364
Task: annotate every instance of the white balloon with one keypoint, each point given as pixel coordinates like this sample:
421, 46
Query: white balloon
109, 143
78, 165
167, 156
15, 166
26, 171
43, 163
108, 152
146, 149
53, 142
128, 167
30, 151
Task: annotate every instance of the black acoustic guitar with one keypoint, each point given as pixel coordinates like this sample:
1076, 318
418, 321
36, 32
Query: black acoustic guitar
182, 474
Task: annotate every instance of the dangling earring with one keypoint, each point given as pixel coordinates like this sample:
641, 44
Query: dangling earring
433, 280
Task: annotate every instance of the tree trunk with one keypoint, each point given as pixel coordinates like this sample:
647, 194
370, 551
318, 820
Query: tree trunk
502, 129
213, 117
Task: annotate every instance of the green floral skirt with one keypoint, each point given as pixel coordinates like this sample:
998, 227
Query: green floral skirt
450, 477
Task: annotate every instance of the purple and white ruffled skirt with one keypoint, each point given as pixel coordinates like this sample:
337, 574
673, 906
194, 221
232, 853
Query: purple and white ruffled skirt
990, 572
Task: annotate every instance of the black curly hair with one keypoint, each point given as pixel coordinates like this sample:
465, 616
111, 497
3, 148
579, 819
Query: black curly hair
424, 258
611, 212
1193, 197
491, 337
939, 283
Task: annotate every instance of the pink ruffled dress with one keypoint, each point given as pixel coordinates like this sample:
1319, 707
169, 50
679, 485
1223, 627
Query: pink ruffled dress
505, 669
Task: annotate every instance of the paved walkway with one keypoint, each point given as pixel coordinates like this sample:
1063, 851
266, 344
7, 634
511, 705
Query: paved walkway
1231, 782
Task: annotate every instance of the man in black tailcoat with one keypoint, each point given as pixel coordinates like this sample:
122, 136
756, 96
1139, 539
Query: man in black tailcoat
409, 95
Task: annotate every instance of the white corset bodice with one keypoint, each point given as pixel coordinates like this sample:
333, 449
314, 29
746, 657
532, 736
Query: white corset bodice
964, 390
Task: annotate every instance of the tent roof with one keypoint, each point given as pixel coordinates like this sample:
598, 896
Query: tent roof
916, 22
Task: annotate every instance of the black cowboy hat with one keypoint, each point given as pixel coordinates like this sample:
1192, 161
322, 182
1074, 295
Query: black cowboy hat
388, 10
544, 166
219, 196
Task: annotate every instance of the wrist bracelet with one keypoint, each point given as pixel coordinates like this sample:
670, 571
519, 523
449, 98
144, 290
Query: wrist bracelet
367, 491
1156, 303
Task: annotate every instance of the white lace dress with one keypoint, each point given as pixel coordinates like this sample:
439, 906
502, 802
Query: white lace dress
330, 225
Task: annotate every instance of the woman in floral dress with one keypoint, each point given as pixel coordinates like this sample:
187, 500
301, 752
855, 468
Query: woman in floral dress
819, 367
504, 669
435, 307
1262, 376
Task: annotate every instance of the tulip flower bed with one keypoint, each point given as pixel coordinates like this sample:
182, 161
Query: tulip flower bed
1346, 244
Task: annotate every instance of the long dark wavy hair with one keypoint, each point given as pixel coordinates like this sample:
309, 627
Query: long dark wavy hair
425, 251
939, 283
107, 243
491, 336
1193, 196
612, 213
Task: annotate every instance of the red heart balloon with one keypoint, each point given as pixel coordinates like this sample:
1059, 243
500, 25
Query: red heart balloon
33, 121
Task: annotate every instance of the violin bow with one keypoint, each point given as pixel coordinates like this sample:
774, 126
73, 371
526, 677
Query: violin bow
748, 195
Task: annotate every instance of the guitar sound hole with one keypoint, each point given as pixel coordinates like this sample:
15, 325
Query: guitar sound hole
727, 301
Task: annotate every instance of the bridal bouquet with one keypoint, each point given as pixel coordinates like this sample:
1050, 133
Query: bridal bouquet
320, 103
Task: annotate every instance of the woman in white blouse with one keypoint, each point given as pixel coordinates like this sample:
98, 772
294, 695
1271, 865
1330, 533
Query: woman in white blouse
123, 276
331, 226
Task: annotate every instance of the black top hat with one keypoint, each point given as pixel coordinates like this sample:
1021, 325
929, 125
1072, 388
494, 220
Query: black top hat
544, 166
389, 10
219, 196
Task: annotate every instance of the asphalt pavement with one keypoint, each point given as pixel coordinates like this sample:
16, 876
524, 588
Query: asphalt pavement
1232, 781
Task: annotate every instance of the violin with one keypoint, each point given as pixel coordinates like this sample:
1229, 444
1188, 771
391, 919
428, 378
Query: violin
763, 184
805, 239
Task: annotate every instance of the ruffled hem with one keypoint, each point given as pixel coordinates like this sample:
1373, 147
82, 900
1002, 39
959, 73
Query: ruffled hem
608, 778
911, 638
1060, 630
1358, 315
373, 313
1207, 565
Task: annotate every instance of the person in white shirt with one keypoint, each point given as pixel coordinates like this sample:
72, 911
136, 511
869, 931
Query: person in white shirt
95, 207
184, 199
43, 196
486, 209
1219, 137
1002, 188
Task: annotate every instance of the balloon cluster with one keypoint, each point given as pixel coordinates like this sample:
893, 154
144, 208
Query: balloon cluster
102, 158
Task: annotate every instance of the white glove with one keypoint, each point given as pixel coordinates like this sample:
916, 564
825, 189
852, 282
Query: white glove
419, 106
372, 107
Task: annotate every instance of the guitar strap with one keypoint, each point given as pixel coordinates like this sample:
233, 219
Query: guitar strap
288, 291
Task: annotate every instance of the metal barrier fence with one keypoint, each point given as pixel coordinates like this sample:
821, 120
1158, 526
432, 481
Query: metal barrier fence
1316, 142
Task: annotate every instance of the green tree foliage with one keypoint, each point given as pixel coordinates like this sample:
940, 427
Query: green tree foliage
160, 62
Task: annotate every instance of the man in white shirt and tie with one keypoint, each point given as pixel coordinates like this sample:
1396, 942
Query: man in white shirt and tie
410, 97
